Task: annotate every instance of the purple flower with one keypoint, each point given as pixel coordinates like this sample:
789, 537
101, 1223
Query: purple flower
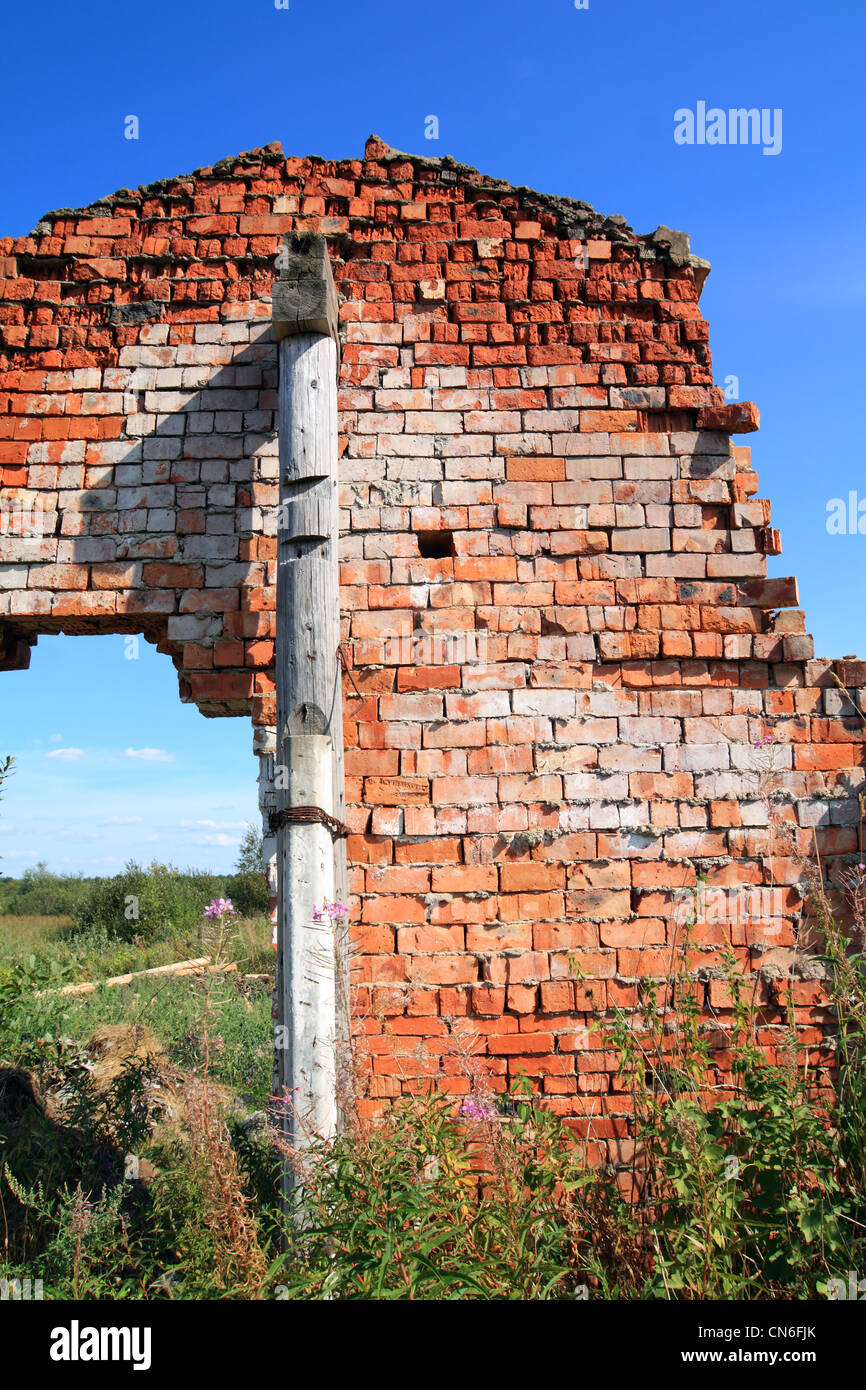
219, 907
331, 910
472, 1109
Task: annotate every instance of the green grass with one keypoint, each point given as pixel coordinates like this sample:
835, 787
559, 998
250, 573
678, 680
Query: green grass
171, 1009
759, 1193
92, 955
168, 1006
66, 1210
30, 933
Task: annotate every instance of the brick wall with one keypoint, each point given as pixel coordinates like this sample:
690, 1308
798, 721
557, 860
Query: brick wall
574, 694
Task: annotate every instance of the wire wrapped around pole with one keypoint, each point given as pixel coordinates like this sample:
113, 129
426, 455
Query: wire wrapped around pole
307, 815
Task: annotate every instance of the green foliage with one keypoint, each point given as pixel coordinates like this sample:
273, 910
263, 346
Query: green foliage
82, 1255
754, 1191
251, 853
393, 1211
150, 904
241, 1048
757, 1194
73, 1215
32, 1013
167, 901
40, 893
6, 767
248, 890
160, 902
747, 1197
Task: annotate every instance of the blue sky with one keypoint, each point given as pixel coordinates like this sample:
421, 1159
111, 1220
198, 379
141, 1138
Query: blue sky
569, 101
111, 766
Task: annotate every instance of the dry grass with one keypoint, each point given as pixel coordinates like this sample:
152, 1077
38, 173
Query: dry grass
30, 933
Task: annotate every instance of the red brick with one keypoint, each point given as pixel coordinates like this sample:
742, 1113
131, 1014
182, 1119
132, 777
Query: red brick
471, 894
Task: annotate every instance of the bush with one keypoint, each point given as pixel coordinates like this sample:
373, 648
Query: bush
40, 893
248, 892
127, 1184
147, 904
160, 901
423, 1206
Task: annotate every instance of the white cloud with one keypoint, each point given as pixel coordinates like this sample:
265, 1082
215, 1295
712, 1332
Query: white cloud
56, 738
218, 840
66, 755
213, 824
122, 820
149, 755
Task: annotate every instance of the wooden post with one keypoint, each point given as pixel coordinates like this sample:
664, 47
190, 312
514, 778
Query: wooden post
309, 772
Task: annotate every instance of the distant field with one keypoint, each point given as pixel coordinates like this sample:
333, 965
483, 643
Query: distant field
29, 933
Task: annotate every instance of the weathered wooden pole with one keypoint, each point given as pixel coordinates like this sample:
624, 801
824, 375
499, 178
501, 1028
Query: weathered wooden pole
309, 772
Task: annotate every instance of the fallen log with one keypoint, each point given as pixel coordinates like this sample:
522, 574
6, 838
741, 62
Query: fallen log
181, 967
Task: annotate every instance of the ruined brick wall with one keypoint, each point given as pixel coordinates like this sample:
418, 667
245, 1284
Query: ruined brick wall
573, 694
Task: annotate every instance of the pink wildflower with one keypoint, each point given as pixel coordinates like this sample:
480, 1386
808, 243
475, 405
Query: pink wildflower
219, 907
473, 1109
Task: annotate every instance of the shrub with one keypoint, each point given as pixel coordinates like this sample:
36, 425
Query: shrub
148, 904
40, 893
249, 893
425, 1206
161, 901
126, 1185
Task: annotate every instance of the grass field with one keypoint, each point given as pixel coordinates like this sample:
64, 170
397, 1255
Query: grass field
19, 934
94, 956
168, 1007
